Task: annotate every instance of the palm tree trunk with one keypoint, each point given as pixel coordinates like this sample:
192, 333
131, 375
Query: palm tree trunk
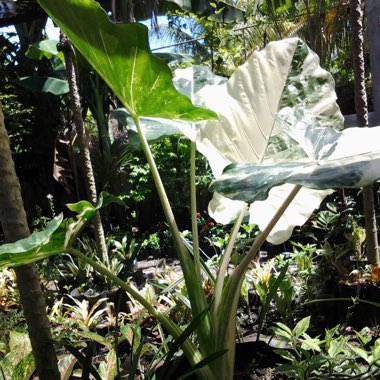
362, 118
84, 150
373, 17
14, 223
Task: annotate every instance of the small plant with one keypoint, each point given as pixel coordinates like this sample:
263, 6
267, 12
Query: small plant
272, 286
85, 315
304, 361
336, 356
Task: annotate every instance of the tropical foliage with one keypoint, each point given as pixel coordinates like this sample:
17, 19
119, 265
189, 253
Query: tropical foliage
271, 135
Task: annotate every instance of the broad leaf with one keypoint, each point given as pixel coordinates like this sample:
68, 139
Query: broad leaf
45, 48
188, 82
55, 238
350, 158
285, 74
49, 49
55, 86
120, 54
25, 368
32, 241
35, 247
86, 210
18, 363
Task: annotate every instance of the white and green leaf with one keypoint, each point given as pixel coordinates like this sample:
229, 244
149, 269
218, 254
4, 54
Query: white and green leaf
286, 74
349, 158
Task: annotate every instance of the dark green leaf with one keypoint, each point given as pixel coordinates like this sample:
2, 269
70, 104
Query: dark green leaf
44, 84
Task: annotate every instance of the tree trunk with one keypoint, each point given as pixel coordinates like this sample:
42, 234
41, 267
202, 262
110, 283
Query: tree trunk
373, 17
361, 107
84, 150
15, 227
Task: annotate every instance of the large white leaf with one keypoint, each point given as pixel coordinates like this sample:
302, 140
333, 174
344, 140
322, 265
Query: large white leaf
350, 158
285, 74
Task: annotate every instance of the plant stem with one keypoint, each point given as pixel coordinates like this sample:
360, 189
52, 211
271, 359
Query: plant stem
192, 280
261, 237
225, 261
193, 210
225, 331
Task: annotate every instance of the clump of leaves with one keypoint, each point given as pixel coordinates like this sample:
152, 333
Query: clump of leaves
336, 356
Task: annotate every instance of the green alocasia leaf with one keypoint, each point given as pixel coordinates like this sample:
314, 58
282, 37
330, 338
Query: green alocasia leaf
188, 82
286, 74
55, 238
39, 245
34, 240
53, 85
86, 210
120, 54
106, 199
45, 48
